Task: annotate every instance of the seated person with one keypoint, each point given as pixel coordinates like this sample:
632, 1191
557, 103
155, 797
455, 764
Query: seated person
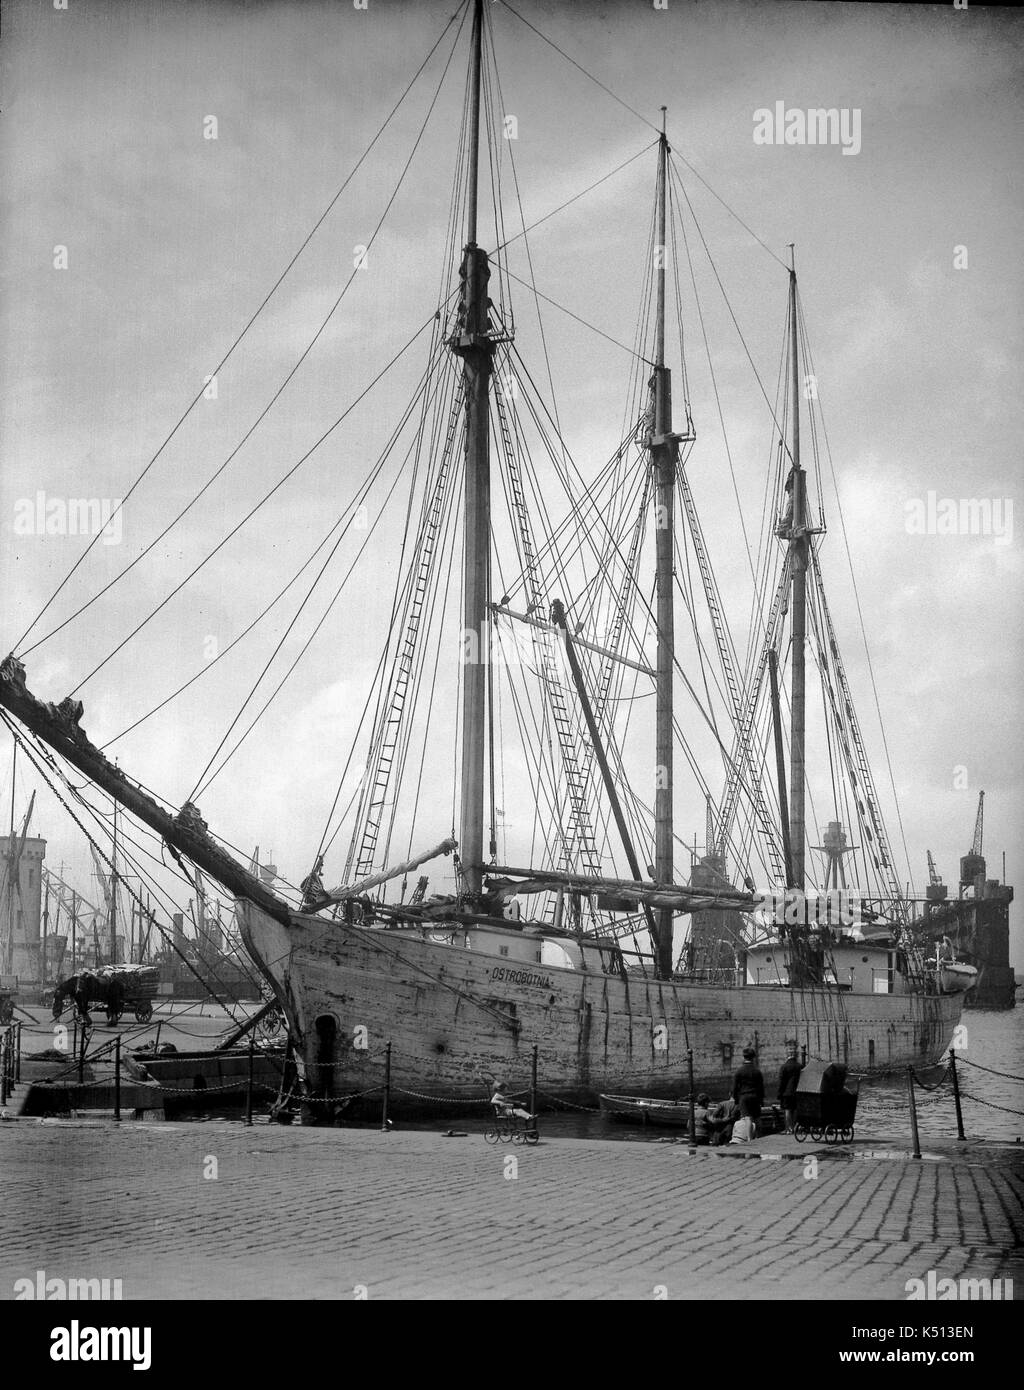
720, 1121
743, 1131
700, 1119
501, 1102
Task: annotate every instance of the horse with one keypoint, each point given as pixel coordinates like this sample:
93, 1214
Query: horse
86, 988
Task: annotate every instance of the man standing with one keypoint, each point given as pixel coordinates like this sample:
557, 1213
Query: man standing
789, 1077
748, 1086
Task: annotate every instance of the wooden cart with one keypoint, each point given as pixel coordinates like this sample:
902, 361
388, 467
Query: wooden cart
141, 983
8, 993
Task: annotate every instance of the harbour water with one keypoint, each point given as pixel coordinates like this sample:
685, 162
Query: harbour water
990, 1068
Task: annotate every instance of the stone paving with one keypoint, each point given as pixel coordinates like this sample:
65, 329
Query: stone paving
317, 1213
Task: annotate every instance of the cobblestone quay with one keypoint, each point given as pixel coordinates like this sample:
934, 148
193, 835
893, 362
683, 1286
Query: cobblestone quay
213, 1210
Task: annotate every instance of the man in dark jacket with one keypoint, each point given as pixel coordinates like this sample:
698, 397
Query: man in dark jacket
748, 1085
789, 1077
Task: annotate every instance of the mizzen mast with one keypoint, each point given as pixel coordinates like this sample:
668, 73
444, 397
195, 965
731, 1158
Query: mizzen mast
472, 343
664, 449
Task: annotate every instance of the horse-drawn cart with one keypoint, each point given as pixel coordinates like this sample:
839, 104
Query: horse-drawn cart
117, 988
8, 991
141, 983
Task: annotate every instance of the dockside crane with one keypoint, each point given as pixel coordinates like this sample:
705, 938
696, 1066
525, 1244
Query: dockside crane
972, 865
936, 890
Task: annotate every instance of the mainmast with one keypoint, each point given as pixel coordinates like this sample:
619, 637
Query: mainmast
798, 552
664, 454
473, 345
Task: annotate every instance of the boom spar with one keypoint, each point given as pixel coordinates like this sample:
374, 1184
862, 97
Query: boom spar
59, 726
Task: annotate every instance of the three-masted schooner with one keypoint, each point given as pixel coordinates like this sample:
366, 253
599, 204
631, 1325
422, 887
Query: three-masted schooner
452, 992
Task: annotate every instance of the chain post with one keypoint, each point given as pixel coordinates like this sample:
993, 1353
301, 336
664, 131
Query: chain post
956, 1095
387, 1089
913, 1113
693, 1118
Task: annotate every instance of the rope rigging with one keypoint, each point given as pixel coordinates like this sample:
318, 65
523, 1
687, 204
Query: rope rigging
597, 571
253, 510
277, 394
352, 511
223, 361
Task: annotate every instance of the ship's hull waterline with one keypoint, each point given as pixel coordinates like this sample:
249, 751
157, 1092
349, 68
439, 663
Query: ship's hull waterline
458, 1020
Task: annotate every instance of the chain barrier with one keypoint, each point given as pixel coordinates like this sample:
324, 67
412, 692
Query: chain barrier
439, 1100
327, 1100
1007, 1076
965, 1095
240, 1084
155, 1086
568, 1104
938, 1084
345, 1062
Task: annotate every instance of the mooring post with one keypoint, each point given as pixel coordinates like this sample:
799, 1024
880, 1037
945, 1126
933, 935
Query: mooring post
913, 1113
248, 1083
693, 1120
117, 1077
17, 1053
956, 1095
81, 1054
387, 1089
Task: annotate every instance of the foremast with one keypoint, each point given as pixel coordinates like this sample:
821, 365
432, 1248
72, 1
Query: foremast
664, 452
472, 343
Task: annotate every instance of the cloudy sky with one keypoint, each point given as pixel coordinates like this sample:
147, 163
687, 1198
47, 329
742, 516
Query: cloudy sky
908, 256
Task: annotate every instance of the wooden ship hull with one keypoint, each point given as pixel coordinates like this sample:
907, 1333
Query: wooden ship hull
458, 1019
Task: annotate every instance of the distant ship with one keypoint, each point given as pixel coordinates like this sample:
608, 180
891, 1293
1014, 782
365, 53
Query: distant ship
569, 955
974, 926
